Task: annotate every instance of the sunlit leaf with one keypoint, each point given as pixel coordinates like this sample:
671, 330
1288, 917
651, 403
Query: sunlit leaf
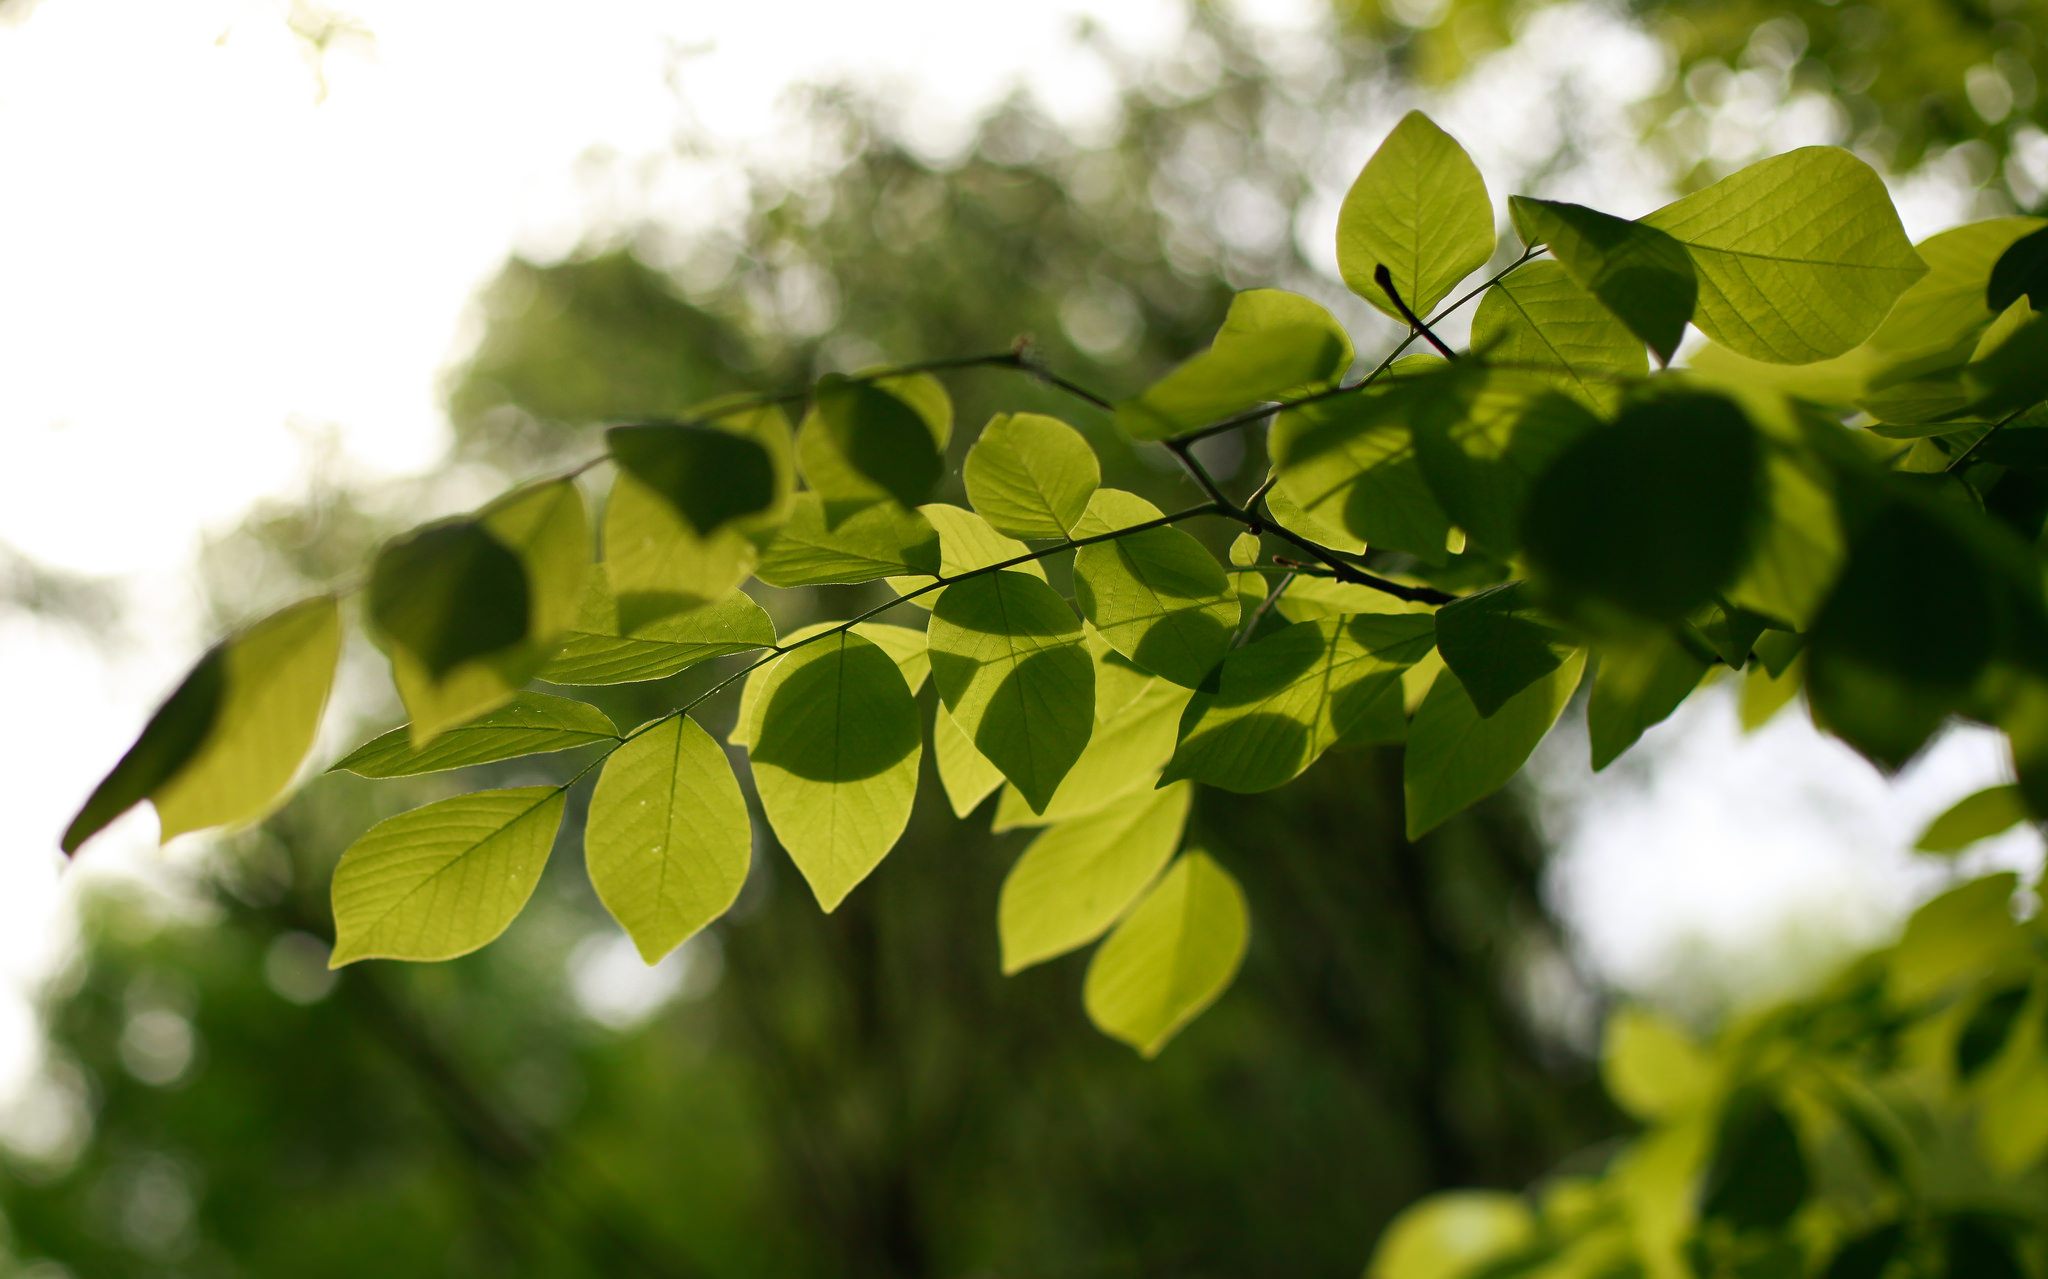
1498, 643
1653, 1067
1158, 596
879, 540
1483, 440
1350, 463
1640, 275
1456, 757
1273, 345
1076, 878
1636, 686
668, 838
1008, 660
443, 880
601, 648
1799, 256
835, 760
470, 609
225, 744
1171, 957
1539, 318
1977, 816
673, 540
1281, 702
906, 647
1030, 475
529, 724
1452, 1236
964, 772
966, 542
1130, 746
1420, 209
869, 440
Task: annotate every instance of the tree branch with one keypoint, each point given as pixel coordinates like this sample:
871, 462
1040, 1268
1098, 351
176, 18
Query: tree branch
1416, 324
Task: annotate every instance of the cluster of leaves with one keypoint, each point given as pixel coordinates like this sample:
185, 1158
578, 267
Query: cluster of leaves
1839, 494
1893, 1123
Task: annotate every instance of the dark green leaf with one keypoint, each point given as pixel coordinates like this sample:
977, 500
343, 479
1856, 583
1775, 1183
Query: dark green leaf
2021, 272
1637, 272
1756, 1177
1498, 643
708, 475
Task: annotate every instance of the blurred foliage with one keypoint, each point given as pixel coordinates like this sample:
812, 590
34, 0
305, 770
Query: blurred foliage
1894, 1123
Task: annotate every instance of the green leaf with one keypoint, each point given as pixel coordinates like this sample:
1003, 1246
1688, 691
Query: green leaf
1955, 938
1030, 475
1652, 1067
1498, 643
1076, 878
1285, 512
1799, 256
1642, 276
1273, 345
880, 540
668, 837
1350, 463
1799, 545
1244, 550
1991, 811
660, 560
1132, 741
966, 542
964, 772
1756, 1177
443, 880
470, 609
1877, 674
905, 647
1158, 597
1540, 318
1653, 514
1170, 958
1008, 659
529, 724
869, 440
225, 744
1419, 208
707, 475
602, 649
1483, 439
1456, 758
1635, 687
2021, 272
1453, 1236
1281, 702
835, 760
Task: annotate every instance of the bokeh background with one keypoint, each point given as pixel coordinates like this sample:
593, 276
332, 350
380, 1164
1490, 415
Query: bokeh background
279, 278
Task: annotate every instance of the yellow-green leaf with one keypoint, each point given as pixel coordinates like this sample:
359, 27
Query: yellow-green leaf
668, 839
443, 880
1419, 208
964, 772
1991, 811
1639, 274
1170, 958
1456, 757
602, 649
1157, 596
1030, 475
529, 724
835, 759
1539, 318
1273, 345
1075, 879
223, 747
879, 540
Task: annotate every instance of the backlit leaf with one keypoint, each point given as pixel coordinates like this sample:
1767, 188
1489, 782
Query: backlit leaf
1350, 463
470, 609
659, 557
1075, 879
1539, 318
1273, 345
1455, 757
1453, 1236
1030, 475
668, 839
905, 647
1170, 958
601, 648
443, 880
835, 760
1281, 702
1498, 643
879, 540
1642, 276
1008, 659
1991, 811
225, 744
1419, 208
1635, 687
529, 724
1157, 596
964, 772
966, 542
1130, 745
869, 440
1799, 256
1483, 439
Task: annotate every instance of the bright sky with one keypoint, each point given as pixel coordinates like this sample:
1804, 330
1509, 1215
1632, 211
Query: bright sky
210, 261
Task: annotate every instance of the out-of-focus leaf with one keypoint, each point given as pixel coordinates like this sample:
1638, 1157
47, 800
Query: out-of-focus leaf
1991, 811
529, 724
879, 540
601, 648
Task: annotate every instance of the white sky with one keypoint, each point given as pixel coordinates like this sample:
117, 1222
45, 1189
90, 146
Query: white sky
206, 267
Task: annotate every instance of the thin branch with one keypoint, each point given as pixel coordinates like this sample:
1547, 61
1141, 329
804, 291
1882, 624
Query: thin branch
1416, 324
1265, 606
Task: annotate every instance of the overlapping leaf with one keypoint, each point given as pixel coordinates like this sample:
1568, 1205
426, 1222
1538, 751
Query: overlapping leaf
1273, 345
602, 648
529, 724
1075, 879
1171, 957
1157, 596
1456, 757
